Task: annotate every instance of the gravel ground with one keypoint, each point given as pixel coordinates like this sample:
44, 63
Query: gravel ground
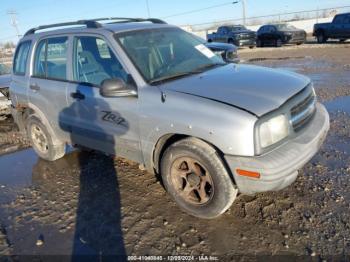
88, 203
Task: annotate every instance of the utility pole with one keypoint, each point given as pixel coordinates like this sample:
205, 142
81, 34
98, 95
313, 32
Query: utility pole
148, 10
244, 12
14, 22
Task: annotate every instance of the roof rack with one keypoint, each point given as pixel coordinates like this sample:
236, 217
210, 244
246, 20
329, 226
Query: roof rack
93, 23
128, 19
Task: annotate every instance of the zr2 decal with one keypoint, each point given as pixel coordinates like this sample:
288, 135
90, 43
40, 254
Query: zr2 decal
114, 118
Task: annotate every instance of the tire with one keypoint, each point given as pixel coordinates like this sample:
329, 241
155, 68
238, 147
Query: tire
251, 47
342, 40
299, 43
41, 140
321, 38
209, 41
259, 43
190, 165
278, 42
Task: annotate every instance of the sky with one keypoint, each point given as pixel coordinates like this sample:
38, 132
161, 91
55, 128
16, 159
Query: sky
32, 13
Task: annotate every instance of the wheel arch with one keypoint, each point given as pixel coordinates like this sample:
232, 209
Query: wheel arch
30, 109
167, 140
320, 31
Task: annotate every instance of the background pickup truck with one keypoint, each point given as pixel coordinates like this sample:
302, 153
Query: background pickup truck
338, 29
237, 35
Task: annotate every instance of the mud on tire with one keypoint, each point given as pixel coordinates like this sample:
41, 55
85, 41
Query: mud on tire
196, 178
41, 140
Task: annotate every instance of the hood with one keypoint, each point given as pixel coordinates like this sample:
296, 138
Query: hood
245, 31
258, 90
293, 30
320, 24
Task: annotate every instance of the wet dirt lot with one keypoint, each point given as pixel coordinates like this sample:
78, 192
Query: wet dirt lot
88, 203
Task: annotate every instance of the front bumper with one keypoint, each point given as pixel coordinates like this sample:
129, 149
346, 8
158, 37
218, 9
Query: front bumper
279, 168
245, 42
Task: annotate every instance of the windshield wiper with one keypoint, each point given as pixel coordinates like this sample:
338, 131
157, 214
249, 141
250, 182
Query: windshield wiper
204, 68
171, 77
198, 70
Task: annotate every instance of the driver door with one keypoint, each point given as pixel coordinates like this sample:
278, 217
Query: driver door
106, 124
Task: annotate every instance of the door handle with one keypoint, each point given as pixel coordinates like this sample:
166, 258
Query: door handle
34, 87
77, 95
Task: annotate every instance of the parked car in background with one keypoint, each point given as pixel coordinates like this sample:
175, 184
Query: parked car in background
339, 28
5, 80
279, 34
238, 35
228, 52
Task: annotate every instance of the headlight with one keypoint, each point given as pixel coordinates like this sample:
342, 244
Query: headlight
273, 130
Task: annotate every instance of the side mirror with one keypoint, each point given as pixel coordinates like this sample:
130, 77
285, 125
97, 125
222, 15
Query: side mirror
116, 87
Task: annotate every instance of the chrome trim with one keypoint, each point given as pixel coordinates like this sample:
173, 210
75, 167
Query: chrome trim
308, 111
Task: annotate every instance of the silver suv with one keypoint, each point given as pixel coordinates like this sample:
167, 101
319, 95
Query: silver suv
150, 92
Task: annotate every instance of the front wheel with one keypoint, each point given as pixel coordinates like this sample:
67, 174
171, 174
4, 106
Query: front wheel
196, 178
41, 140
278, 42
321, 38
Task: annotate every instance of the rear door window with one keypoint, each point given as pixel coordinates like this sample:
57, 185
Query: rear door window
21, 58
51, 58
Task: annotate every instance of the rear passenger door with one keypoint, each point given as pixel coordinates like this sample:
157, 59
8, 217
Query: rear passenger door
106, 124
48, 81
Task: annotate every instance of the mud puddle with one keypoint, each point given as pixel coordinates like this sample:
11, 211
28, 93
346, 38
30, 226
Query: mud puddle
340, 104
16, 173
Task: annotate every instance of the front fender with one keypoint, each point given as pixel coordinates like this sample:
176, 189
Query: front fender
228, 128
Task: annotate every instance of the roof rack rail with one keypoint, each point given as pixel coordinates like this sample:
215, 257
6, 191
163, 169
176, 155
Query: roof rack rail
128, 19
93, 23
88, 23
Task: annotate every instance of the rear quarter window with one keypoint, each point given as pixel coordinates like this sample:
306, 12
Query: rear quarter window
21, 58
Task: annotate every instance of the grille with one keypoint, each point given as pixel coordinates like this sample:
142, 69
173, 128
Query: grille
303, 112
246, 36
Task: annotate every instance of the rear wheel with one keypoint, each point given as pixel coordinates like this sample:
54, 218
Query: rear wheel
196, 178
41, 140
321, 38
342, 40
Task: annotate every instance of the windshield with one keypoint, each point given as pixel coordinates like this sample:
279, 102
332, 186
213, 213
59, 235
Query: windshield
285, 27
165, 54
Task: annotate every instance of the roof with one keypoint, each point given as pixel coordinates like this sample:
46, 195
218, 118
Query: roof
94, 25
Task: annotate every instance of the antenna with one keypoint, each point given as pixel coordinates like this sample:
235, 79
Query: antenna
14, 21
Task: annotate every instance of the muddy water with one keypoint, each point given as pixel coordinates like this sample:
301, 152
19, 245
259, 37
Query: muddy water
339, 104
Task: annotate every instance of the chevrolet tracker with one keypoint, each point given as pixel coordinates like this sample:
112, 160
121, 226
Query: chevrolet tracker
153, 93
